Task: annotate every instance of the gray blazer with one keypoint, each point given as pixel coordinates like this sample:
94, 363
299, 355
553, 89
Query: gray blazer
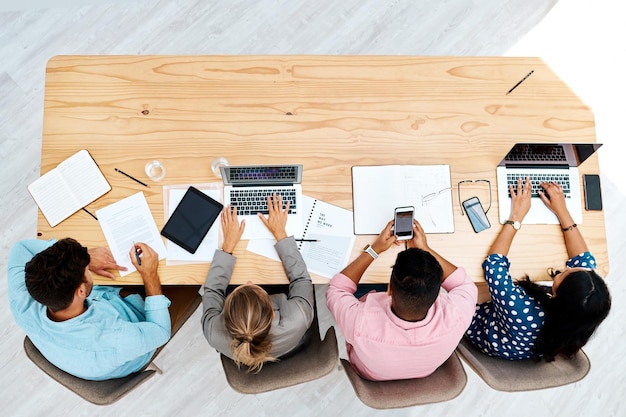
293, 312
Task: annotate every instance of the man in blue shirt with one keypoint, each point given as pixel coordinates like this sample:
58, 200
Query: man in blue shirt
88, 331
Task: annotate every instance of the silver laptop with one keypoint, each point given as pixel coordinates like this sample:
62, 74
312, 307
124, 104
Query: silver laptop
247, 187
543, 162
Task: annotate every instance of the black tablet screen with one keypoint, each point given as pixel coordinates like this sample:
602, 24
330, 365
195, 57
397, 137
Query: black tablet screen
192, 219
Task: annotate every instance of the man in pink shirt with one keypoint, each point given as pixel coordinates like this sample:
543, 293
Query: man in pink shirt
410, 330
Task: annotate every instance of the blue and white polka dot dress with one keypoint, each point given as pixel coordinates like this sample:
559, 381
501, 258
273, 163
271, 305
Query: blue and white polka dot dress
509, 325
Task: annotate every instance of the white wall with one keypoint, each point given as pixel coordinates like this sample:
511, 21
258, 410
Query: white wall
583, 41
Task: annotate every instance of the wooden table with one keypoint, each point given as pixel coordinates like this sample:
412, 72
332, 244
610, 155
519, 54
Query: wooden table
326, 112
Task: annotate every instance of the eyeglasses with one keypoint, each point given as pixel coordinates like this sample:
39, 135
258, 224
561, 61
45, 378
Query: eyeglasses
426, 199
430, 197
473, 181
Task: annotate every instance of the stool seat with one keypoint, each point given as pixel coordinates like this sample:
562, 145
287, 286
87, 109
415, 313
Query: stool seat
446, 383
524, 375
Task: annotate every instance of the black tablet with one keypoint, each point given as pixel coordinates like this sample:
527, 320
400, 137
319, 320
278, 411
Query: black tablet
192, 219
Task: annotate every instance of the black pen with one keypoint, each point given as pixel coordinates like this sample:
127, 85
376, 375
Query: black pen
307, 240
132, 178
137, 254
520, 81
90, 213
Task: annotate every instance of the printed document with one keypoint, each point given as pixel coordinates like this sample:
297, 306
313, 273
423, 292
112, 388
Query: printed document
126, 222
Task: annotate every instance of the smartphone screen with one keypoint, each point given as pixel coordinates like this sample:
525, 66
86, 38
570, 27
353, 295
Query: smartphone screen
593, 193
476, 214
403, 223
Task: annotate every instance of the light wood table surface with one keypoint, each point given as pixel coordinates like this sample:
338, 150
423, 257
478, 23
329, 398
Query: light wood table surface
326, 112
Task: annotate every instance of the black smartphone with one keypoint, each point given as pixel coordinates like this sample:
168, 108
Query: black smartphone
476, 214
403, 222
593, 193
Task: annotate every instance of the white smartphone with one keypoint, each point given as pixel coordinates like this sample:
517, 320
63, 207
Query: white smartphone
403, 222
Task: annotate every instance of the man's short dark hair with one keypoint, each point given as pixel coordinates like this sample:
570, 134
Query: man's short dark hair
54, 274
415, 282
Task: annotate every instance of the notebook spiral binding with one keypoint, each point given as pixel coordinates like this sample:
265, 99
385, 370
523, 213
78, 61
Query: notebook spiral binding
306, 226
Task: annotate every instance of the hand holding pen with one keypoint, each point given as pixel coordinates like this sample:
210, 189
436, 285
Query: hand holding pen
146, 260
137, 253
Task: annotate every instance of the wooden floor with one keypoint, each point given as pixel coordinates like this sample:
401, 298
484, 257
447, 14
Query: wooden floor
192, 382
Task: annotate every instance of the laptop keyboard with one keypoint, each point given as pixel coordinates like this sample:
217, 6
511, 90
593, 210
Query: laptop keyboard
537, 178
252, 201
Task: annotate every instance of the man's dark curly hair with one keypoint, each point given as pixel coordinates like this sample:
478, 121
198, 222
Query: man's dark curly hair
54, 274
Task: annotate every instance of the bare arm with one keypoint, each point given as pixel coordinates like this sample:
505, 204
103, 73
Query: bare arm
520, 204
357, 268
419, 242
574, 241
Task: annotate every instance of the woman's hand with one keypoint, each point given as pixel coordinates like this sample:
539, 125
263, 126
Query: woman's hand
554, 198
231, 228
520, 199
277, 218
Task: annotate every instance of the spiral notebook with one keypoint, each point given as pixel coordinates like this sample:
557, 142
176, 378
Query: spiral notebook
330, 228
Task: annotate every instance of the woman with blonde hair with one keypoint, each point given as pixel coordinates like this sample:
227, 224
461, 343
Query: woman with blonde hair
248, 325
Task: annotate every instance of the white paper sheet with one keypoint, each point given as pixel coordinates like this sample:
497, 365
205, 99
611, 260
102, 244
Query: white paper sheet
125, 222
331, 226
206, 250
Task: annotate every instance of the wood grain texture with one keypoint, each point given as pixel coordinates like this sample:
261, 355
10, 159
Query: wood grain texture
193, 382
327, 112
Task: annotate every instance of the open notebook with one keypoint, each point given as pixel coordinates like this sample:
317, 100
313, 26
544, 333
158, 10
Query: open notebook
378, 190
73, 184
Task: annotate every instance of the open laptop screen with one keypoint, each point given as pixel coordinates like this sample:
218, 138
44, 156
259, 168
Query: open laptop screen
549, 154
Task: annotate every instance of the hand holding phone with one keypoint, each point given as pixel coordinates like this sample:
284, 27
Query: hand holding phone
476, 214
403, 222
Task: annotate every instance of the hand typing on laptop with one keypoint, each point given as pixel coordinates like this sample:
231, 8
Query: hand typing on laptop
277, 218
247, 187
232, 229
554, 198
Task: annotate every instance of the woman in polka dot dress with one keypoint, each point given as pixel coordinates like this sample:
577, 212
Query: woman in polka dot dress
524, 320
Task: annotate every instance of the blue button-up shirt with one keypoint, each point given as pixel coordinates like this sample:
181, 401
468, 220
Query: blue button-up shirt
114, 337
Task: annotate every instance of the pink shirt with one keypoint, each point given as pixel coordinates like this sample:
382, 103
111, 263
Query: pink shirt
382, 346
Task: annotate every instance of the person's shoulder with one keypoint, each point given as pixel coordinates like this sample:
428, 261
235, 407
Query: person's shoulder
584, 260
494, 258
